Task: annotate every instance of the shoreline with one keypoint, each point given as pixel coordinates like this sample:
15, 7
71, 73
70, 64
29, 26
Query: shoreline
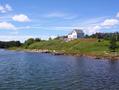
109, 56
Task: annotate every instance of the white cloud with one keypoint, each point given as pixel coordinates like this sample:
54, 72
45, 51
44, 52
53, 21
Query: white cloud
8, 7
110, 22
60, 15
60, 28
97, 27
91, 29
5, 8
2, 9
117, 14
6, 25
22, 38
10, 26
21, 18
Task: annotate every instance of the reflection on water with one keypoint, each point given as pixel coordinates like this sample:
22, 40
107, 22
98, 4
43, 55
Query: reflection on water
36, 71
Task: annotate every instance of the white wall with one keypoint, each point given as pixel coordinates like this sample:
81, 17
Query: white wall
73, 35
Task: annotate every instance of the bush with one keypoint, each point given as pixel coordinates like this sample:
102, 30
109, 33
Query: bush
113, 44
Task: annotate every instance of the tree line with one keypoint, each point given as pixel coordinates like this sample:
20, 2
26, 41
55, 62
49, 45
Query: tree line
106, 36
8, 44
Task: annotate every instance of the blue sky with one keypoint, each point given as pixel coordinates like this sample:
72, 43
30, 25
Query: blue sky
22, 19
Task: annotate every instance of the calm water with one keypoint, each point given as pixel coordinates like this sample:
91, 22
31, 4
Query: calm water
35, 71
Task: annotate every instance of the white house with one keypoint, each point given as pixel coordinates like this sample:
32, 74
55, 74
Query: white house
75, 34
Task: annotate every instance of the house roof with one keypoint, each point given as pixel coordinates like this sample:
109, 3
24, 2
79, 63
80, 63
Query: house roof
77, 31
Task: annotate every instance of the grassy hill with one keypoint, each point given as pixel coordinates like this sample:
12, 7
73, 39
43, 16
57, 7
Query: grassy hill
79, 46
88, 47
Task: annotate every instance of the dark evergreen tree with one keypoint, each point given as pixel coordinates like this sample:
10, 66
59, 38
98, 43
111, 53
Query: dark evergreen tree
37, 39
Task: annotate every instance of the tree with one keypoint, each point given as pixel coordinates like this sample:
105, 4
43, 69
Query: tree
50, 38
29, 42
113, 44
87, 36
37, 39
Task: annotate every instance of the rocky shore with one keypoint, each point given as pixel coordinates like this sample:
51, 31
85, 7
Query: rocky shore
109, 56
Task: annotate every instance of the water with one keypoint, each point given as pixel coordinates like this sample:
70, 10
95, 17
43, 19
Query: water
36, 71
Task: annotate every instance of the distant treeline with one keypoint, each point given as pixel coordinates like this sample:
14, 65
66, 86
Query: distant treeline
10, 44
106, 36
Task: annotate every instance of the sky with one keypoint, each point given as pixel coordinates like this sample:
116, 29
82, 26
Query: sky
23, 19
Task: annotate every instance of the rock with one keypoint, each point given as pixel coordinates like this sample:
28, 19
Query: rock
57, 53
97, 57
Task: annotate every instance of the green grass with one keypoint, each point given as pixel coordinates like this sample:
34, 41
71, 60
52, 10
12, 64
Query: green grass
79, 46
84, 46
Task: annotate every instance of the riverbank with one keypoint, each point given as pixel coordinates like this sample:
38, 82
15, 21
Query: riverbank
80, 47
105, 55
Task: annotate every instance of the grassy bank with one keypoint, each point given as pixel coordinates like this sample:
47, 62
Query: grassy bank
90, 47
